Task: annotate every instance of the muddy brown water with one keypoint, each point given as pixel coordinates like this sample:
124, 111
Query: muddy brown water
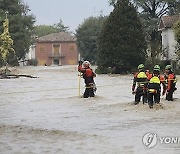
46, 115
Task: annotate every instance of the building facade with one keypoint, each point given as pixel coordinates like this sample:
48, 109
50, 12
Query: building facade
168, 41
56, 49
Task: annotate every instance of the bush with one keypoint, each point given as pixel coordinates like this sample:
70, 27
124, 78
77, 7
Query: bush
32, 62
101, 71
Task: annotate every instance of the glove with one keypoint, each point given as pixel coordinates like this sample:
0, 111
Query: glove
80, 62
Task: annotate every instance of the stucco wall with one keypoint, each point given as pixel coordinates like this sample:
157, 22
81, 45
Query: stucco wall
169, 43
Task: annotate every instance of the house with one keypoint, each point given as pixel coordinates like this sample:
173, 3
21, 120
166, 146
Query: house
56, 49
168, 41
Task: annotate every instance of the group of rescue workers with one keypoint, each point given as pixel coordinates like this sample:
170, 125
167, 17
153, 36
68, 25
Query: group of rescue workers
145, 84
148, 85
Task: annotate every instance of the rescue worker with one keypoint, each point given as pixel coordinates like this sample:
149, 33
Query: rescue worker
154, 86
140, 81
171, 82
88, 75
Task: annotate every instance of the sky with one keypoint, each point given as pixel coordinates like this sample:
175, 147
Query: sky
72, 12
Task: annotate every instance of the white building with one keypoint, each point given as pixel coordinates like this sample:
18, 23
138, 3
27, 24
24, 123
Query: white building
168, 41
29, 56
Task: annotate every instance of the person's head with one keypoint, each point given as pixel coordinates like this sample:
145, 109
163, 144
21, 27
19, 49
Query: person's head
86, 64
141, 67
156, 69
168, 68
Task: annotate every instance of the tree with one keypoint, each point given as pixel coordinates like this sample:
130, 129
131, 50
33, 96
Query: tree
121, 42
177, 31
150, 12
155, 7
6, 43
20, 28
42, 30
177, 37
87, 34
59, 27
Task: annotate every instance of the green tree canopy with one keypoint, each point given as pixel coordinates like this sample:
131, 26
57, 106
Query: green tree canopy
177, 31
121, 42
87, 34
20, 26
59, 27
42, 30
150, 12
177, 37
6, 43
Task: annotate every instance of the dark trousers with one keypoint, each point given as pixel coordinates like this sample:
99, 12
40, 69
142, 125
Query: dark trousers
169, 95
153, 98
89, 92
140, 92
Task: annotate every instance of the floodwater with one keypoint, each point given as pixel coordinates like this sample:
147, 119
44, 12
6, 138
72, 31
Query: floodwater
46, 115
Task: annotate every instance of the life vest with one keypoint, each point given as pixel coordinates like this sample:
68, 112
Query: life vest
154, 84
155, 79
88, 75
141, 79
141, 75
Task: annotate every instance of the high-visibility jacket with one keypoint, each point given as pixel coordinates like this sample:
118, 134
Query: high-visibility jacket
161, 78
155, 79
140, 78
155, 82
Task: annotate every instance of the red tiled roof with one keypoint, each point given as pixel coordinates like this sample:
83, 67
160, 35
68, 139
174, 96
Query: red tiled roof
168, 21
57, 37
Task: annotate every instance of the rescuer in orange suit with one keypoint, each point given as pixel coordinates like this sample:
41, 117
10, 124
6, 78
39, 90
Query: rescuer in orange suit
171, 82
88, 75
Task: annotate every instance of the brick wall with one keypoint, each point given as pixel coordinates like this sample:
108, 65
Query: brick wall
68, 50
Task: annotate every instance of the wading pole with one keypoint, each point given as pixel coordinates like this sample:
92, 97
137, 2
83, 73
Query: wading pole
79, 84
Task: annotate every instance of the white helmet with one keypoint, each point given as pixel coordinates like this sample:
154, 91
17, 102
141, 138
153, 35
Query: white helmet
86, 64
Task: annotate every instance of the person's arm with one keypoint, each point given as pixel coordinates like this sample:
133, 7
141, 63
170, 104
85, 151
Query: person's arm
80, 68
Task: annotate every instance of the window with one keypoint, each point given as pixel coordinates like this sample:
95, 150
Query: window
56, 49
72, 48
41, 48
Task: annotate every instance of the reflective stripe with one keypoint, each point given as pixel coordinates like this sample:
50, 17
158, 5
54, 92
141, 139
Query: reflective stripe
175, 80
152, 91
141, 84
